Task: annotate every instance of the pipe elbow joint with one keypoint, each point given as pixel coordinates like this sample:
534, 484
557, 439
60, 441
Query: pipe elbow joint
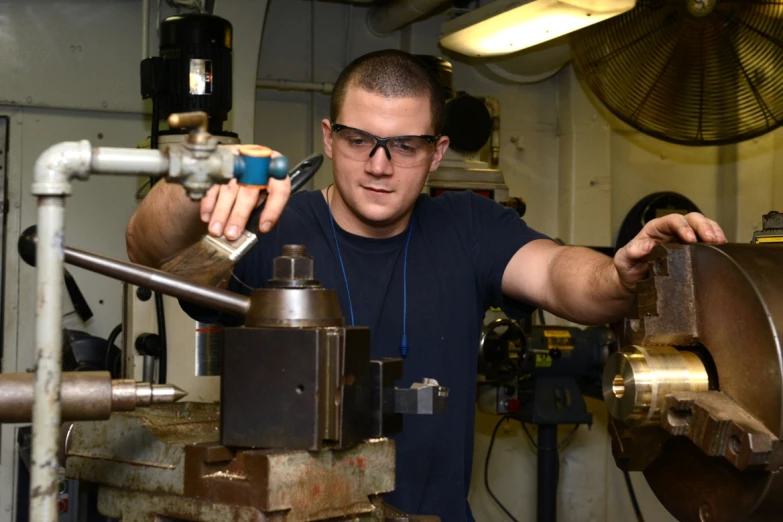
58, 164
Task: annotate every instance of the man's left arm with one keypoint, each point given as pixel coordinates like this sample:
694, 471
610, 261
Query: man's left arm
586, 287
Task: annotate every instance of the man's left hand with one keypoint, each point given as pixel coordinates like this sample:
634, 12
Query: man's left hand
631, 260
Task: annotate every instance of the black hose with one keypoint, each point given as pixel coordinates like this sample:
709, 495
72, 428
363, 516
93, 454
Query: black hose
109, 343
155, 129
163, 358
632, 494
486, 469
161, 316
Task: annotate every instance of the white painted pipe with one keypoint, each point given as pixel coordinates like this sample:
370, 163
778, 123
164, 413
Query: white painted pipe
386, 18
48, 348
53, 170
140, 162
289, 85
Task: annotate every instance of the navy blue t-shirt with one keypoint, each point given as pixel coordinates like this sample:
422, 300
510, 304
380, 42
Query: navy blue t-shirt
459, 247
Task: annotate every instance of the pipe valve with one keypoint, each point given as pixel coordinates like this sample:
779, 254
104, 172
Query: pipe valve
199, 163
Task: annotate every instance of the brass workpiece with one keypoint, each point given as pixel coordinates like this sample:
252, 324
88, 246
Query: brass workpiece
638, 379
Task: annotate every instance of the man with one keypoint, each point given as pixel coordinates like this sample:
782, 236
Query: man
419, 271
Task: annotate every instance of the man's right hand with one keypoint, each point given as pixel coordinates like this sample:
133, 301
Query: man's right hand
167, 221
226, 208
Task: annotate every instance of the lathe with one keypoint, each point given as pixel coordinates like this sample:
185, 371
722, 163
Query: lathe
299, 433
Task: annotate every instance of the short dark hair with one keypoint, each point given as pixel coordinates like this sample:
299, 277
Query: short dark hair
392, 74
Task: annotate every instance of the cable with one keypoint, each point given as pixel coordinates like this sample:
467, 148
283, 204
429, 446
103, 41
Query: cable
565, 442
109, 343
486, 468
632, 494
159, 313
163, 358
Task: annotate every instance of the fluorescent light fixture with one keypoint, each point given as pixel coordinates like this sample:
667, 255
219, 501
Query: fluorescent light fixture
506, 26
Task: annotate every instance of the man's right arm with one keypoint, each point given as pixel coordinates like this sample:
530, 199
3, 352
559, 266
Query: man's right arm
167, 221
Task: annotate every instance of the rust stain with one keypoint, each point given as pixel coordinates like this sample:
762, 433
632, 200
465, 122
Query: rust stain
360, 462
316, 490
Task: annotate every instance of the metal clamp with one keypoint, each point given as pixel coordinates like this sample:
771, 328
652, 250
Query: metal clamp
389, 403
422, 398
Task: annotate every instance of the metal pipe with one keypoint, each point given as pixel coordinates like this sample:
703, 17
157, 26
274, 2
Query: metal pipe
84, 396
148, 370
386, 18
160, 281
53, 170
493, 104
290, 85
51, 184
48, 374
137, 162
145, 29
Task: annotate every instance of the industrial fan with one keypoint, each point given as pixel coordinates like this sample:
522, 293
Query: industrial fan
693, 72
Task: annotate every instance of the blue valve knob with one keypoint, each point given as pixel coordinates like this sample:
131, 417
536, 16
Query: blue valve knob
254, 165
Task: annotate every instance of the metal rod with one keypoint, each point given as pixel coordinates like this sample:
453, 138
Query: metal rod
290, 85
145, 29
160, 281
84, 396
148, 370
129, 161
53, 170
48, 350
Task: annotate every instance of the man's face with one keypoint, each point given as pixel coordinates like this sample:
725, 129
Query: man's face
377, 190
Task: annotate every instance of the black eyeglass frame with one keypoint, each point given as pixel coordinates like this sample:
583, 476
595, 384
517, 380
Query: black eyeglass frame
381, 142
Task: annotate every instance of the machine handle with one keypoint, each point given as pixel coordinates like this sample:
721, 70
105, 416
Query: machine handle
157, 280
254, 165
191, 120
300, 174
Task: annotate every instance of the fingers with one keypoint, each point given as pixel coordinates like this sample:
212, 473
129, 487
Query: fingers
706, 229
208, 203
639, 249
246, 201
719, 234
278, 191
227, 208
689, 228
225, 202
232, 208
